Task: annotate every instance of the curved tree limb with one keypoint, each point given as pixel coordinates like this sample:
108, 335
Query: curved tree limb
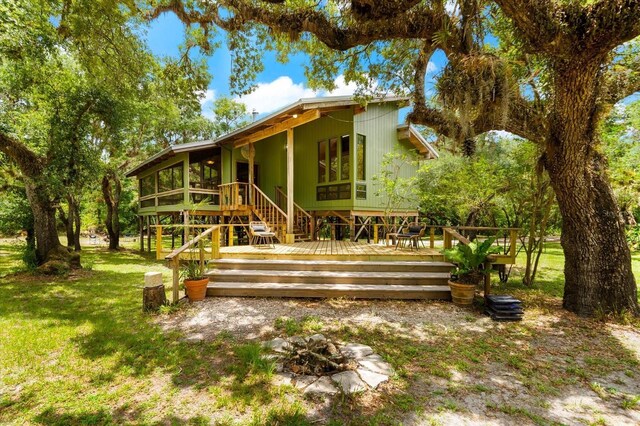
30, 164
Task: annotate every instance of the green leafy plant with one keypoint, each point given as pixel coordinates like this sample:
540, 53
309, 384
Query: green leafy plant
470, 259
633, 238
192, 270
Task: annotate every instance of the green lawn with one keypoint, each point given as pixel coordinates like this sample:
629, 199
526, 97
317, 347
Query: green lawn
78, 350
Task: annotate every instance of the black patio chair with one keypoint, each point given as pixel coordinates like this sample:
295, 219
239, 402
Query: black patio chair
412, 234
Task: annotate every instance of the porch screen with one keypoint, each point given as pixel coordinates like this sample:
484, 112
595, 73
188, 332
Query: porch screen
171, 178
147, 186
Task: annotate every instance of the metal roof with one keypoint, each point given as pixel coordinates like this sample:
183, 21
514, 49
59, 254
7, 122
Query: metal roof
283, 113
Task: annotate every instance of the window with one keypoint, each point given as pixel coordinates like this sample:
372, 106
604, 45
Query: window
344, 158
171, 178
333, 160
205, 170
361, 191
147, 186
361, 157
322, 161
333, 192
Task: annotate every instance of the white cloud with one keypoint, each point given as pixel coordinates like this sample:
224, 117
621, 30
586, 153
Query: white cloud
342, 87
431, 67
269, 97
206, 102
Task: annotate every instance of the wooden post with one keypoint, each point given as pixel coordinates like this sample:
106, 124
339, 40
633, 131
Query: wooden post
352, 227
187, 231
447, 239
215, 244
252, 153
487, 280
175, 265
159, 242
290, 238
149, 234
375, 234
141, 225
201, 250
313, 226
230, 227
512, 249
432, 237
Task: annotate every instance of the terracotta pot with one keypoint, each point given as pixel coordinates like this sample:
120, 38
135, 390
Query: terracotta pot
196, 289
462, 294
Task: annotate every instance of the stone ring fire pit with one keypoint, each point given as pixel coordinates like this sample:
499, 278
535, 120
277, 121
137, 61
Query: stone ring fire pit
319, 365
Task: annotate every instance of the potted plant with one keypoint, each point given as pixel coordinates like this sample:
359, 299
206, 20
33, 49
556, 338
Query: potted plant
194, 280
469, 271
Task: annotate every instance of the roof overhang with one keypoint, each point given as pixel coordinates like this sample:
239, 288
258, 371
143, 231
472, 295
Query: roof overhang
296, 114
169, 152
410, 133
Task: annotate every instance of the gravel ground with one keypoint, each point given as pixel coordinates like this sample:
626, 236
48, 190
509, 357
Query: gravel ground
576, 404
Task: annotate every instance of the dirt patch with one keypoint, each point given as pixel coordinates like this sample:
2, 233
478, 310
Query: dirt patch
454, 366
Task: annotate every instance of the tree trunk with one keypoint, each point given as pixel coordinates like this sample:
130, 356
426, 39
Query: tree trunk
52, 256
75, 206
598, 275
111, 195
67, 221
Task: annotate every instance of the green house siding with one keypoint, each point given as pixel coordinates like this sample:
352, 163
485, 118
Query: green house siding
379, 125
271, 158
306, 137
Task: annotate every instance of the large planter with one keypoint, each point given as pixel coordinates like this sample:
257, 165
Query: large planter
462, 294
196, 289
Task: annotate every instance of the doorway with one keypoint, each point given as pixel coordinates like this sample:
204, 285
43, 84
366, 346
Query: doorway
242, 173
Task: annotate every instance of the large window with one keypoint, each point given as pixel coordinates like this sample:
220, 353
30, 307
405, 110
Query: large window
322, 161
147, 186
344, 158
171, 178
361, 157
205, 170
334, 160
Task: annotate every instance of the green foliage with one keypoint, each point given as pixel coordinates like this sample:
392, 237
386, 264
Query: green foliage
228, 115
252, 359
633, 237
470, 258
399, 190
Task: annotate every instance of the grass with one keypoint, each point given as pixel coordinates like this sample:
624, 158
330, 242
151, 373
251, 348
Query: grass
79, 350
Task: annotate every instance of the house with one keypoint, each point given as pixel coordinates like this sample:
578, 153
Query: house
310, 164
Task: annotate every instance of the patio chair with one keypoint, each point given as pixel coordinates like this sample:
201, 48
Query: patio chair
412, 234
261, 235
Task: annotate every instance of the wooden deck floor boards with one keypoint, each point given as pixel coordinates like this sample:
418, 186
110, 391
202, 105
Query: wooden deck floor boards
331, 250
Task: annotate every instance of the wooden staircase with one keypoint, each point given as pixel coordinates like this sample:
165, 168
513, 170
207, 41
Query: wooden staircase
315, 278
301, 218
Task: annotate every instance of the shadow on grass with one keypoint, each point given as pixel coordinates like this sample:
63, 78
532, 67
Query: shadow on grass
427, 360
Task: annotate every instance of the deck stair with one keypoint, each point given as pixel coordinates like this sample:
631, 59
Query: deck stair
315, 278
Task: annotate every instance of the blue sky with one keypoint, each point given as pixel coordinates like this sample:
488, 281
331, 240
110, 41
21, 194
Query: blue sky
278, 85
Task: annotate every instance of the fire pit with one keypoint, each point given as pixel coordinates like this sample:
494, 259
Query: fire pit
319, 365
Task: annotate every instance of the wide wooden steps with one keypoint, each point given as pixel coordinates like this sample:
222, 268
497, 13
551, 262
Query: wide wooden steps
318, 278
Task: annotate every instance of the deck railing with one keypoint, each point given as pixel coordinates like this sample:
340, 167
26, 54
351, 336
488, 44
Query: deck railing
234, 196
301, 218
173, 259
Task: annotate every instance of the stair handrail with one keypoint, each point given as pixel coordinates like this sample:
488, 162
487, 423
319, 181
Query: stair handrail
263, 205
173, 258
295, 205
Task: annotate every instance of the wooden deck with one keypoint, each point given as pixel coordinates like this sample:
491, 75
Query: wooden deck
331, 250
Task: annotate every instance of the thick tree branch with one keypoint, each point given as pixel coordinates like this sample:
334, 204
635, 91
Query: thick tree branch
30, 164
574, 31
408, 22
